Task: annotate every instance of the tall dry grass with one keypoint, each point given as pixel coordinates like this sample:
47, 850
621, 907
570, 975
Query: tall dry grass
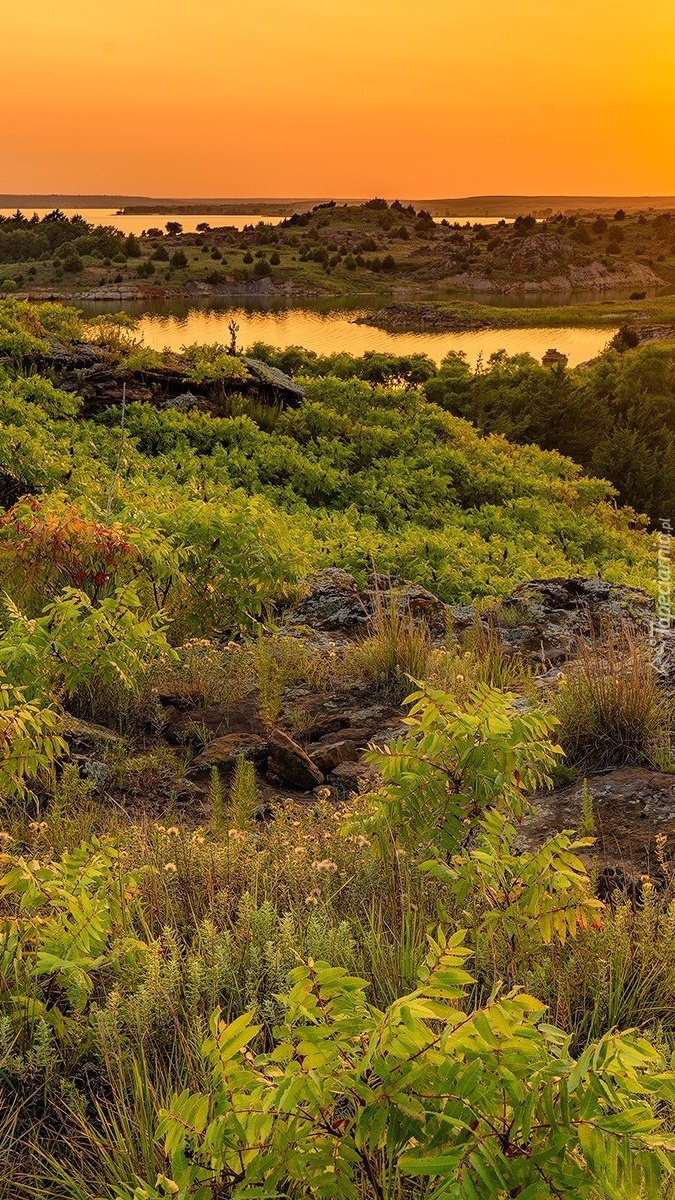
612, 709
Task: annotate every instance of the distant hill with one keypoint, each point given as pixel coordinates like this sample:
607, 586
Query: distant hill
541, 206
283, 206
280, 206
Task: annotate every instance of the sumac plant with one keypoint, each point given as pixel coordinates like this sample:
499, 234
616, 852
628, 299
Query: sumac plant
454, 791
76, 648
45, 547
424, 1098
67, 932
438, 1095
30, 743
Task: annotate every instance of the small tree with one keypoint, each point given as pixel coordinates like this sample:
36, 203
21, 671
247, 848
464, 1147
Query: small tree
132, 246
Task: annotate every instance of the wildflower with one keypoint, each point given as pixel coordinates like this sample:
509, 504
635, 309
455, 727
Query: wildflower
313, 897
5, 837
170, 868
323, 793
362, 841
326, 864
299, 850
173, 831
460, 679
198, 839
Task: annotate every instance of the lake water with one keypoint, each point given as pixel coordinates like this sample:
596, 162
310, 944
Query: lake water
138, 222
175, 324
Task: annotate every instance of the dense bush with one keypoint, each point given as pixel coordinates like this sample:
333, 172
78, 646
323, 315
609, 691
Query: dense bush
616, 418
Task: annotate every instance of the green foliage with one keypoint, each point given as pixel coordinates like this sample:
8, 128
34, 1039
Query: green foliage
77, 649
358, 472
353, 1100
30, 743
211, 363
456, 764
69, 927
616, 418
456, 787
113, 955
243, 798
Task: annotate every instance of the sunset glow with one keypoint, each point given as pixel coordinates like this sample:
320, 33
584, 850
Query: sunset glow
441, 98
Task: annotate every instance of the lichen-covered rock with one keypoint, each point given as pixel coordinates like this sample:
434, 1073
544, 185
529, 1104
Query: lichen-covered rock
332, 603
224, 751
631, 806
335, 605
544, 619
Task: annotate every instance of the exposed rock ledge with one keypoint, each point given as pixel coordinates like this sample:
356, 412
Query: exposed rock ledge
320, 735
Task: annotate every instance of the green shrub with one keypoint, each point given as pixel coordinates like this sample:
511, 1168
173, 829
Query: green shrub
354, 1101
30, 744
78, 650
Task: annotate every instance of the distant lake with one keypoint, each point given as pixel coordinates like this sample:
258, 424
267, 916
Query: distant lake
175, 323
138, 222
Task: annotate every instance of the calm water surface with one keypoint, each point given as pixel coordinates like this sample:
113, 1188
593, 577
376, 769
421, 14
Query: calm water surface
178, 324
138, 222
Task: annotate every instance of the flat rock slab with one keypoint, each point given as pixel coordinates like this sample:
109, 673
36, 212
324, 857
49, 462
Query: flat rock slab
217, 720
224, 751
631, 807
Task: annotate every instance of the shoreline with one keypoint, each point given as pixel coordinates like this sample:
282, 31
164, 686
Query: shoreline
653, 319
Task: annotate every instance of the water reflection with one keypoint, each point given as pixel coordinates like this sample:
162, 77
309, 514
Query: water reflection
175, 324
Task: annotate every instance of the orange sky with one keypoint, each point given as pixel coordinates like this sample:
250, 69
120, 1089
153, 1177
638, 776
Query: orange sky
416, 98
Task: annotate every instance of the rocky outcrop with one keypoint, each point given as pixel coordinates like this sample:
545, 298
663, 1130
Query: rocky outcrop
632, 806
332, 603
100, 377
544, 619
321, 735
337, 610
